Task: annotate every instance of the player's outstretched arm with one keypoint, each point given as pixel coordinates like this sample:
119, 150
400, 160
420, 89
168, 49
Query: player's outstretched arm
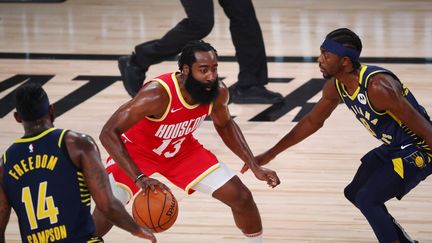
5, 208
308, 125
232, 136
85, 155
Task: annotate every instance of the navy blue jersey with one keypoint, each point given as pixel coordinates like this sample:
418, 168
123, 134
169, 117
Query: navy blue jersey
382, 124
47, 192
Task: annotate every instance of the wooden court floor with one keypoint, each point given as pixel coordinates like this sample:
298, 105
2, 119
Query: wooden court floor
72, 46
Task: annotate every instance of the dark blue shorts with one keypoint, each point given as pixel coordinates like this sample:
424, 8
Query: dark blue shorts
411, 164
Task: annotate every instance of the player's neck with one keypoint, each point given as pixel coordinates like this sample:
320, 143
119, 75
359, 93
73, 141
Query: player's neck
350, 80
32, 129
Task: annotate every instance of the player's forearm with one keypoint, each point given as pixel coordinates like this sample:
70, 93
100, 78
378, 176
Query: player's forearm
118, 215
114, 146
235, 141
301, 131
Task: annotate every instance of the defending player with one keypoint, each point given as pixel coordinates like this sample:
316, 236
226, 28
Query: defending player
389, 111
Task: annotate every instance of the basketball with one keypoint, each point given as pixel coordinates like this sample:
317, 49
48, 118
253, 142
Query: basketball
158, 211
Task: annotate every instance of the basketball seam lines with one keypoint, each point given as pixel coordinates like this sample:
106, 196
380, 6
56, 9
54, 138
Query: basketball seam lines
148, 209
171, 218
135, 211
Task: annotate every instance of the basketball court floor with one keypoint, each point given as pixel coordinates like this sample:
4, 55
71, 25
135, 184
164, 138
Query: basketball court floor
72, 47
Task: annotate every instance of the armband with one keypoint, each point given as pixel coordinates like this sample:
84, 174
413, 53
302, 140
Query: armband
139, 177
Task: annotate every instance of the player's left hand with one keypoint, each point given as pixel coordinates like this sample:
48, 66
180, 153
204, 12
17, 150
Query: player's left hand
145, 233
267, 175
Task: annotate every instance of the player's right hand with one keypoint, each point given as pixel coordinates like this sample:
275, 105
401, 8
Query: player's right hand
147, 182
145, 233
267, 175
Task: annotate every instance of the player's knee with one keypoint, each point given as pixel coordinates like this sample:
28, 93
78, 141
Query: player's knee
119, 192
364, 201
243, 200
350, 194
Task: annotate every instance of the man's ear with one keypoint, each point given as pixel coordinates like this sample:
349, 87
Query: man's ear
346, 62
186, 69
17, 117
51, 112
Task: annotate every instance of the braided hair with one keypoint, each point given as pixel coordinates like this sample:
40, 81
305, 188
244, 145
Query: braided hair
349, 39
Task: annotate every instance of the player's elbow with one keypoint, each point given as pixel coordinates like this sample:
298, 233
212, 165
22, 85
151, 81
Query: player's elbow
107, 135
103, 137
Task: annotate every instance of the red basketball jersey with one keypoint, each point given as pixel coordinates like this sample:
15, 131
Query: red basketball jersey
170, 135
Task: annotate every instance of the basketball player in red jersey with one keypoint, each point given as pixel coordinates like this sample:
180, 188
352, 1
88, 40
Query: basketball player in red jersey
153, 133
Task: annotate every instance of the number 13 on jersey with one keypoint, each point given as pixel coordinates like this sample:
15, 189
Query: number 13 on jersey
169, 151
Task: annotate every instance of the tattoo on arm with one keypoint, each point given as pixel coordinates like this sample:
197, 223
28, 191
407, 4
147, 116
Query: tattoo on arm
98, 176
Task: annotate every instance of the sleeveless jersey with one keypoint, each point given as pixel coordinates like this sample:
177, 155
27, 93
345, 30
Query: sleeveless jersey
47, 191
385, 126
171, 134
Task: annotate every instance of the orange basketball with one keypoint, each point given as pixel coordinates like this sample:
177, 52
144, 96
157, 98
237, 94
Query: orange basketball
158, 211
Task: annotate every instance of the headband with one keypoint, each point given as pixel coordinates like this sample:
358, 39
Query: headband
38, 112
340, 50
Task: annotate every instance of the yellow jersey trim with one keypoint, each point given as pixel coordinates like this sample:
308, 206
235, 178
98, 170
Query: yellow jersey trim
179, 94
338, 88
123, 186
398, 166
210, 108
370, 106
200, 177
367, 97
395, 118
372, 73
95, 239
362, 71
354, 95
61, 137
4, 157
161, 82
24, 140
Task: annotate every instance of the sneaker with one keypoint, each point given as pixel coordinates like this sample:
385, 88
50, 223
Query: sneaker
402, 234
132, 75
254, 95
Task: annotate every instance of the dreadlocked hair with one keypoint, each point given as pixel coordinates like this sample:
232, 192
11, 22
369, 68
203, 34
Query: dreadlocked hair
187, 55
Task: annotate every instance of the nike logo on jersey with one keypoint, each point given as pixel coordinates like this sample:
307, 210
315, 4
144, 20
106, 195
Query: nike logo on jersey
175, 110
405, 146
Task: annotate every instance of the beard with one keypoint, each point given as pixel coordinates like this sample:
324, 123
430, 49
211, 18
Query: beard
327, 76
198, 90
